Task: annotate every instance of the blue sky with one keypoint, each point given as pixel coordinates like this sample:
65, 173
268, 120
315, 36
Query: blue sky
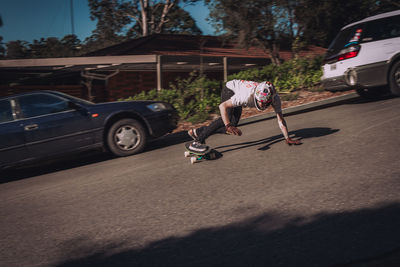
34, 19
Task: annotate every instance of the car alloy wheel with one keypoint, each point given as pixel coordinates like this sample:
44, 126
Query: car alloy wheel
126, 137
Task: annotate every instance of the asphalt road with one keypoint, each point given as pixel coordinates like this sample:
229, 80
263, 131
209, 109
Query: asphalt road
333, 201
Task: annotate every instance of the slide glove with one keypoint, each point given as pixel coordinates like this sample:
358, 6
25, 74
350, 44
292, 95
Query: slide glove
293, 142
230, 129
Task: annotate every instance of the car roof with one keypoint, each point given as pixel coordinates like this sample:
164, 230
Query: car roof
380, 16
29, 93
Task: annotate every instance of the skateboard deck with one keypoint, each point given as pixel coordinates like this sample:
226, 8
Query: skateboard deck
195, 156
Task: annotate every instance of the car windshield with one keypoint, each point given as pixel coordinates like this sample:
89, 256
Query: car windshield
345, 38
80, 100
76, 99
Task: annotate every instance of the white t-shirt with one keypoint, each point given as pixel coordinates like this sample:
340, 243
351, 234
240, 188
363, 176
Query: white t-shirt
244, 94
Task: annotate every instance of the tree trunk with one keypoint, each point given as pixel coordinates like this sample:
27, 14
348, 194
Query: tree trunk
274, 52
272, 49
144, 4
167, 6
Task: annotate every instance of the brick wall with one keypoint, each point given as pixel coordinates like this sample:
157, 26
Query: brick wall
129, 83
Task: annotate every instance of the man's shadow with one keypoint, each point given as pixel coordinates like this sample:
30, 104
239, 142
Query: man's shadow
267, 142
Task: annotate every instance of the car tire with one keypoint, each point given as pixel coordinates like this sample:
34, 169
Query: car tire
126, 137
394, 79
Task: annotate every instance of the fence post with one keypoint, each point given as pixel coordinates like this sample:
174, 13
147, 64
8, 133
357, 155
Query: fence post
225, 69
159, 73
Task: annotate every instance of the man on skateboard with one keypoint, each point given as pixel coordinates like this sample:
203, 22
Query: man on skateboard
235, 95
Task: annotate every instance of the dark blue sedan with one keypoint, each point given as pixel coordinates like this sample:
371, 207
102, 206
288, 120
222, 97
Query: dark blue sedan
44, 124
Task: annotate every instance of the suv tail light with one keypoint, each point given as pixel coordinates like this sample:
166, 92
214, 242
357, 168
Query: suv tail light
349, 52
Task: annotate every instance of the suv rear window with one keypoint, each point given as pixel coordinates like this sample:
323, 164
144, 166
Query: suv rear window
344, 39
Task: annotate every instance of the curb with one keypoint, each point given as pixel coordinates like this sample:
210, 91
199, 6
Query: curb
302, 108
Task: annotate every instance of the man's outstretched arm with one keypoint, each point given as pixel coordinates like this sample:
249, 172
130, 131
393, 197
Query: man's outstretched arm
283, 127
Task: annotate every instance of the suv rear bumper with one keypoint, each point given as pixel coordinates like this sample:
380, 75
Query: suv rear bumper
367, 76
335, 84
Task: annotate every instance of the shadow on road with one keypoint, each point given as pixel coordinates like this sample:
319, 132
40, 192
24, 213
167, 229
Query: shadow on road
368, 237
267, 142
82, 159
363, 100
93, 157
168, 140
54, 165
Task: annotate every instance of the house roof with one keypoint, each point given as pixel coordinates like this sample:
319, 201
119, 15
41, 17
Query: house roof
193, 45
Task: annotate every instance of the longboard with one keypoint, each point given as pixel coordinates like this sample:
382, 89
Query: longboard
195, 156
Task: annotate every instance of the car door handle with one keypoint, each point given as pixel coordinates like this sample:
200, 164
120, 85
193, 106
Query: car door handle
31, 127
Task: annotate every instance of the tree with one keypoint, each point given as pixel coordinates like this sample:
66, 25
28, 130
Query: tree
272, 24
71, 45
320, 21
68, 46
118, 20
17, 49
250, 23
178, 21
111, 21
2, 49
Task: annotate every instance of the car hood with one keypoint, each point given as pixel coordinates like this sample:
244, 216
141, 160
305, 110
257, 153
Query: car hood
136, 106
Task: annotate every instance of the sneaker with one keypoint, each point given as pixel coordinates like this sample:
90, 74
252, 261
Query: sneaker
193, 134
198, 147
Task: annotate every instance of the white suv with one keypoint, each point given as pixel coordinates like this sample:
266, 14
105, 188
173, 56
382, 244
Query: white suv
365, 56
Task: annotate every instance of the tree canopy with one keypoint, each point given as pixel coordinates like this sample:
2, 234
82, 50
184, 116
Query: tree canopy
2, 49
320, 21
272, 24
269, 24
119, 19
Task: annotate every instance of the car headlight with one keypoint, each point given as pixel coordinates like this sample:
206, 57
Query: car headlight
156, 107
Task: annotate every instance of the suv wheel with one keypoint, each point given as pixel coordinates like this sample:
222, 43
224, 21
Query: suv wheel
394, 79
126, 137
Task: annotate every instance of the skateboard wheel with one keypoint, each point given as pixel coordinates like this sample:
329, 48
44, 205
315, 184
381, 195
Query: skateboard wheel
193, 160
187, 154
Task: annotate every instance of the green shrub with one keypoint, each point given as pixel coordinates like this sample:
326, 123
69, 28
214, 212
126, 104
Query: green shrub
194, 97
299, 73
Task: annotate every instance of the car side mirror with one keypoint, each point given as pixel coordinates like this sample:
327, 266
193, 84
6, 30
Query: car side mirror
78, 107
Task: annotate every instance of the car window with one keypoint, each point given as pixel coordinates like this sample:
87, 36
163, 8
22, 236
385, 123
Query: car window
5, 111
382, 29
41, 104
345, 38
